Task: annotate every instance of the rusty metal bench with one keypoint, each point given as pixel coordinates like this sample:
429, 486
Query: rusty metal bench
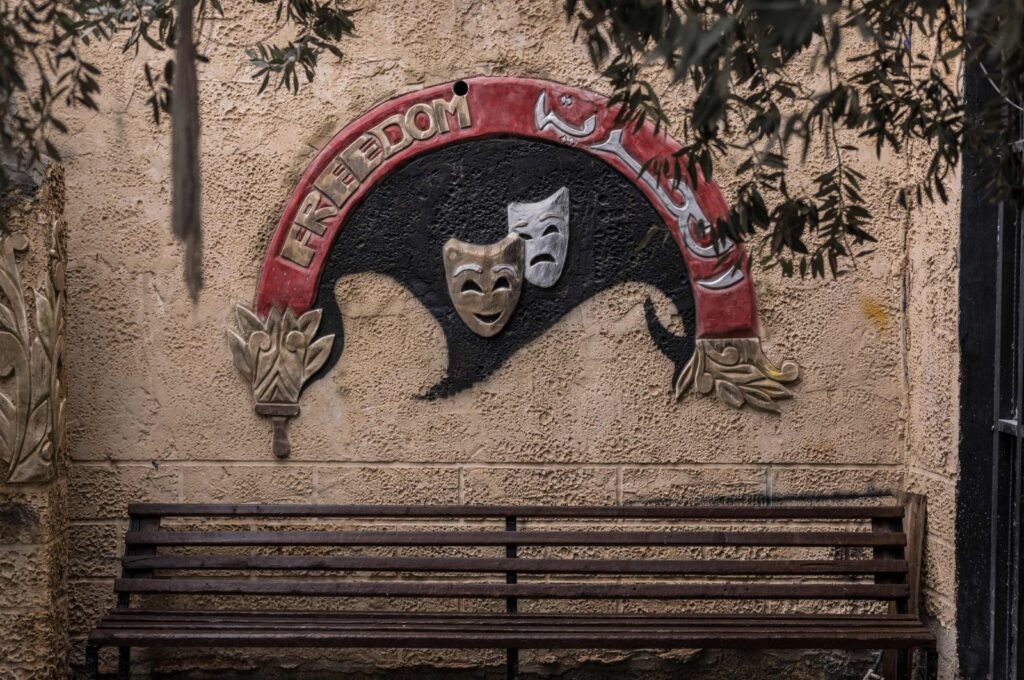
734, 553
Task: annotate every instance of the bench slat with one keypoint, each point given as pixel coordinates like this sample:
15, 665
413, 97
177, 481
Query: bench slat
568, 630
523, 566
117, 617
572, 591
826, 512
496, 538
505, 632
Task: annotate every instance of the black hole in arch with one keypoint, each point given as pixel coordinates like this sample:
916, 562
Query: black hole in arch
523, 235
502, 284
551, 229
460, 88
471, 286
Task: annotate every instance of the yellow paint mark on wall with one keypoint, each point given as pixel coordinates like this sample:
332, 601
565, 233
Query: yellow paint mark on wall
876, 313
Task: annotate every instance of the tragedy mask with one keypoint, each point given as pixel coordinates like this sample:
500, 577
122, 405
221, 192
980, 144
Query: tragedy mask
545, 228
485, 281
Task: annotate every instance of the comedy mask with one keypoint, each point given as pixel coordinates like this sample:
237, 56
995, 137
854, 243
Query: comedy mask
545, 228
484, 281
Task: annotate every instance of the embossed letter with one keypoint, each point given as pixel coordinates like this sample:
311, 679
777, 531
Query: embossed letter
363, 155
295, 246
404, 139
310, 213
415, 130
337, 182
458, 107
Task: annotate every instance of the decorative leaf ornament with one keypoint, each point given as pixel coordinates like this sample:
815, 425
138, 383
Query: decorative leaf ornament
32, 414
738, 373
277, 356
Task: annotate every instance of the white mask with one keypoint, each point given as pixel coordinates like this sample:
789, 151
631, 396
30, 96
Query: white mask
544, 226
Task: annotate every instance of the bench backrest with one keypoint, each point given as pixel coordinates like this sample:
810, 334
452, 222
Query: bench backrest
860, 552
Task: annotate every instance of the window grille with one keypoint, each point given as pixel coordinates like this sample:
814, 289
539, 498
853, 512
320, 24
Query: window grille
1008, 457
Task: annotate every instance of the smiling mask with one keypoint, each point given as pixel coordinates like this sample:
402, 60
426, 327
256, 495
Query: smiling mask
545, 228
484, 282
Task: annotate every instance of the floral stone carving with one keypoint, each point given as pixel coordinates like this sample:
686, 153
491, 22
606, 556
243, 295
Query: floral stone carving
738, 373
32, 395
276, 356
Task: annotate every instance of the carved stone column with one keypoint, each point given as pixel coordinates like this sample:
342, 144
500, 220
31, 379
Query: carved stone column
33, 481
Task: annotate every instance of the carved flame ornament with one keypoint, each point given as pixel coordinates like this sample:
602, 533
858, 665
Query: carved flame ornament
277, 356
738, 373
32, 396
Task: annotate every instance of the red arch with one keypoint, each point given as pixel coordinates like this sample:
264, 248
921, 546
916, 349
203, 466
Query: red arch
491, 107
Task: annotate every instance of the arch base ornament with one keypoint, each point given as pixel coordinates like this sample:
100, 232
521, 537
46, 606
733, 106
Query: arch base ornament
737, 371
277, 356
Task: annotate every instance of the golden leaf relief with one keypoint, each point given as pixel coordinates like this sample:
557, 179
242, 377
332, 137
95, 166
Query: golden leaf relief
32, 409
737, 372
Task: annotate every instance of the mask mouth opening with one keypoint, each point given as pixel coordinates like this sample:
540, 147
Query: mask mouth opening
488, 318
541, 259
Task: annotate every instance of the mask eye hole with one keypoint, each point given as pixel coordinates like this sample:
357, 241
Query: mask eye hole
502, 284
550, 229
471, 286
523, 235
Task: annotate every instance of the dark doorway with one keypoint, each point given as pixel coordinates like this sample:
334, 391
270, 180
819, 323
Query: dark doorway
989, 494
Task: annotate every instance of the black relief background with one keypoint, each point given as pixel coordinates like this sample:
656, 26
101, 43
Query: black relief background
463, 191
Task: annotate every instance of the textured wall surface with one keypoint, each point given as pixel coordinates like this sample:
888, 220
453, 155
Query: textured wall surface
583, 414
33, 516
929, 332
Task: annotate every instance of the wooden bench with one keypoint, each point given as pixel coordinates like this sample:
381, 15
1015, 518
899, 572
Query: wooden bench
713, 559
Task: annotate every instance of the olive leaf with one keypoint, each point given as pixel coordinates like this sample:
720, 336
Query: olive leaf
738, 373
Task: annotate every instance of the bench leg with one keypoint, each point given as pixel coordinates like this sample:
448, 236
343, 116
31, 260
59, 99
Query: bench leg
889, 664
913, 668
512, 663
124, 663
931, 664
897, 664
92, 662
922, 664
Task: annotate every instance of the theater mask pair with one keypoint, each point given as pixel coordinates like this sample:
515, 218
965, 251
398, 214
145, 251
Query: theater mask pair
485, 281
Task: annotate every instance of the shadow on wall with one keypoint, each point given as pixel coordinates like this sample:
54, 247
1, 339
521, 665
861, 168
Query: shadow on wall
463, 191
689, 664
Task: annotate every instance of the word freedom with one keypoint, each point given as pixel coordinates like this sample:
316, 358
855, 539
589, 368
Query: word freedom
350, 168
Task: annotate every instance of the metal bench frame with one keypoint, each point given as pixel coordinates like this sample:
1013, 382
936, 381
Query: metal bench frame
893, 533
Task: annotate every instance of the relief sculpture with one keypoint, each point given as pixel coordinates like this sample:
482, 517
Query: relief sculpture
737, 372
484, 282
544, 226
277, 356
551, 194
32, 395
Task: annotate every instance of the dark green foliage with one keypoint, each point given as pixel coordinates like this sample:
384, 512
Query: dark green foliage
321, 27
41, 65
890, 85
889, 67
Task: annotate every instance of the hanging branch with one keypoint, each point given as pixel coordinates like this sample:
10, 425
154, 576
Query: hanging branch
740, 58
185, 194
42, 72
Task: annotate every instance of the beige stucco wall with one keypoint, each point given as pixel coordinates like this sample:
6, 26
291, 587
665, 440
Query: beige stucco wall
583, 415
34, 504
932, 360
